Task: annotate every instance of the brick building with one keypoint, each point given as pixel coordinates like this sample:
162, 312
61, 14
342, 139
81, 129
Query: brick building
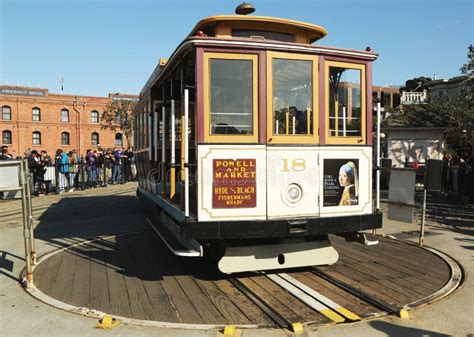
33, 118
388, 95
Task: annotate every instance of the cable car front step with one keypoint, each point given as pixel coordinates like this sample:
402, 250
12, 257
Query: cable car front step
277, 256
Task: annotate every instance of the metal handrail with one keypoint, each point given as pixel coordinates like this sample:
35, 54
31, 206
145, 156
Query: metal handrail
10, 162
11, 189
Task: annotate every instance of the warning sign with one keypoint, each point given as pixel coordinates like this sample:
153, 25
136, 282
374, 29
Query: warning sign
234, 183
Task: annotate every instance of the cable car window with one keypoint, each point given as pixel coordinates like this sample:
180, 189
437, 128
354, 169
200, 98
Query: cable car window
292, 97
267, 35
231, 92
231, 97
292, 100
346, 101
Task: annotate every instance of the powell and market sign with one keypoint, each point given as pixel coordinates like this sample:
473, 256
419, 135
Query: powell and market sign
7, 91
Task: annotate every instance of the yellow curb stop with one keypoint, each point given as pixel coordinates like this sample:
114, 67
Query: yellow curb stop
403, 314
108, 323
231, 331
297, 328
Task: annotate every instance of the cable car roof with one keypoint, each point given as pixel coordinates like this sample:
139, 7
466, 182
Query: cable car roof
222, 25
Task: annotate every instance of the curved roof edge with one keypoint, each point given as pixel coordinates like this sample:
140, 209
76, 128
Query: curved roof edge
314, 32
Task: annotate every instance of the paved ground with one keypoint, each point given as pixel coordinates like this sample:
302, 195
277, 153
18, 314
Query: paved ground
62, 220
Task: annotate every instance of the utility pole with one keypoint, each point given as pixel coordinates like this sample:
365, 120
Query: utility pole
76, 106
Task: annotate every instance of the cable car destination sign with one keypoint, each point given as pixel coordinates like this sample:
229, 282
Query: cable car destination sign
234, 183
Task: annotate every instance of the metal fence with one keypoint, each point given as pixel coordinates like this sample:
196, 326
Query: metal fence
457, 179
59, 177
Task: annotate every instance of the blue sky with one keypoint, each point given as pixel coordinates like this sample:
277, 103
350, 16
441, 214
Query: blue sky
113, 45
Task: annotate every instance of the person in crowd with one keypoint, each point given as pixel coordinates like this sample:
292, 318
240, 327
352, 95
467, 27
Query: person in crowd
100, 167
62, 160
37, 169
78, 159
129, 169
5, 147
49, 173
454, 165
108, 164
73, 169
127, 162
117, 166
470, 178
91, 168
5, 155
445, 174
133, 167
27, 153
6, 152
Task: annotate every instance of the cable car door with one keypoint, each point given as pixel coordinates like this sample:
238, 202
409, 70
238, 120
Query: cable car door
292, 137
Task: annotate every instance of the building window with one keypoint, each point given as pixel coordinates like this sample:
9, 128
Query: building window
118, 139
6, 113
36, 114
94, 116
65, 138
7, 137
95, 138
65, 115
36, 138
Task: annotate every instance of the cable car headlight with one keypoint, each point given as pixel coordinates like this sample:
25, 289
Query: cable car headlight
293, 193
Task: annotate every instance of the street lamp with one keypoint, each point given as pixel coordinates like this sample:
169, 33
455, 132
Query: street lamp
380, 90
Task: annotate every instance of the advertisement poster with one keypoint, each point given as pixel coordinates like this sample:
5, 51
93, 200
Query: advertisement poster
234, 183
341, 186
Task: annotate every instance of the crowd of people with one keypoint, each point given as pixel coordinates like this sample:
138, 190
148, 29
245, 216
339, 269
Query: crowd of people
69, 170
458, 175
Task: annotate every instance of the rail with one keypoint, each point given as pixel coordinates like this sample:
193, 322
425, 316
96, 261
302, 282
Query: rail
274, 315
191, 248
186, 152
414, 97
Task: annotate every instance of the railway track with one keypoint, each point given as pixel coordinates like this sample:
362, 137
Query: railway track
335, 302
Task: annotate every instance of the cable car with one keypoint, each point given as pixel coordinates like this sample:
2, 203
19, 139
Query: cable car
253, 144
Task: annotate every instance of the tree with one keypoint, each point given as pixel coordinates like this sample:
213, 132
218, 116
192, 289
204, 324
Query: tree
459, 112
119, 115
417, 84
468, 68
455, 113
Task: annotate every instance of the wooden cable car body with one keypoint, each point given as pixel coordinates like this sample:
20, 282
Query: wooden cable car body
254, 145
